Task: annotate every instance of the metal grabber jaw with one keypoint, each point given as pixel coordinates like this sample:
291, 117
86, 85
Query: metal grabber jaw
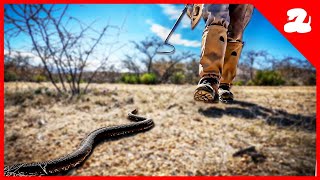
164, 48
168, 48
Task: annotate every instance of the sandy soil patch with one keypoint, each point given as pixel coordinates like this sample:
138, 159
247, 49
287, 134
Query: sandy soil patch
189, 138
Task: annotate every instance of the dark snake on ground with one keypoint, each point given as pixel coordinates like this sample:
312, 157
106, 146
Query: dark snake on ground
77, 157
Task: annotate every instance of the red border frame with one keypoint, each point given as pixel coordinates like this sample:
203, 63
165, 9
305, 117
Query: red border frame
275, 12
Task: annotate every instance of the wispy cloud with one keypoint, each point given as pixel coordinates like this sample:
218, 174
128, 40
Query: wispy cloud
176, 39
173, 12
34, 59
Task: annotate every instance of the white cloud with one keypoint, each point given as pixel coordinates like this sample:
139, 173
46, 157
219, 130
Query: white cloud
92, 63
34, 59
176, 39
173, 13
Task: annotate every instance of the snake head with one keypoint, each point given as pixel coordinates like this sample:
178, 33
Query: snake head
134, 111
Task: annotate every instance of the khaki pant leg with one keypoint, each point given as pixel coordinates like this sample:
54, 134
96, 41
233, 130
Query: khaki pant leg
213, 47
240, 15
231, 59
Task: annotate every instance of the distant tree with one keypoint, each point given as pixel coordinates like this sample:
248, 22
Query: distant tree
111, 74
296, 71
249, 59
148, 49
171, 63
130, 63
18, 66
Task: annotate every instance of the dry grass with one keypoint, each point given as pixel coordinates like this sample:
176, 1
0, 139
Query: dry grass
189, 138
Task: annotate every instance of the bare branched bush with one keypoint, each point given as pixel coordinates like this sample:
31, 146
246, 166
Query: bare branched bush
148, 49
296, 71
130, 63
163, 66
65, 45
166, 67
18, 67
249, 59
292, 70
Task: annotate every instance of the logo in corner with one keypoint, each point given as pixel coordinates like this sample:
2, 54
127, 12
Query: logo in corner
298, 25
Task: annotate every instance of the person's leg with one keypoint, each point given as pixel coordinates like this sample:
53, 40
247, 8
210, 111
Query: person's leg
213, 47
240, 15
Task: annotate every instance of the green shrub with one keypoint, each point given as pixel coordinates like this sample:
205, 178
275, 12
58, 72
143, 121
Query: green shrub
130, 79
238, 83
69, 79
250, 83
38, 91
268, 78
178, 78
82, 81
148, 78
39, 78
10, 76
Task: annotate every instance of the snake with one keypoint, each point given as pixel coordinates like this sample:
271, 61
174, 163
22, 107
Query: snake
79, 155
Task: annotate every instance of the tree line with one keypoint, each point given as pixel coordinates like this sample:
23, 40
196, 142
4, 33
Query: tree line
254, 68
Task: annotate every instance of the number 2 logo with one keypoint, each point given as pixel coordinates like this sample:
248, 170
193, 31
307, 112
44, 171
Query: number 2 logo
298, 25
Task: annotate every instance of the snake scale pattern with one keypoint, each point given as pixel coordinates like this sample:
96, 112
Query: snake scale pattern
67, 162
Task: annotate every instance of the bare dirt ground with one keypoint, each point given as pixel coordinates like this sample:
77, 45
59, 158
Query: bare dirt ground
189, 138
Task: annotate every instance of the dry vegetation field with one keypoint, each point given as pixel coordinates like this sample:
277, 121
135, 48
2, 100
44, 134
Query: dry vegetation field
189, 138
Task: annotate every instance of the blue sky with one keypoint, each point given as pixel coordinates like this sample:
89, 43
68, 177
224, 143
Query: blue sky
145, 20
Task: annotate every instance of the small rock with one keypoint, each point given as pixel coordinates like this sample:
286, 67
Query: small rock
41, 122
80, 131
13, 137
116, 105
130, 100
58, 143
40, 137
